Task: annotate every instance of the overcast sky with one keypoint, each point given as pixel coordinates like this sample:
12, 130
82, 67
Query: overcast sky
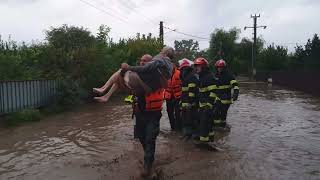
288, 21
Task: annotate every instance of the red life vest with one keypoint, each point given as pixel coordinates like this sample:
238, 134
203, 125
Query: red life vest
154, 100
174, 86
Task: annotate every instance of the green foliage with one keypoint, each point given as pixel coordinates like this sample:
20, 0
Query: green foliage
74, 55
238, 55
103, 34
186, 49
223, 44
82, 60
273, 58
307, 58
70, 38
28, 115
243, 59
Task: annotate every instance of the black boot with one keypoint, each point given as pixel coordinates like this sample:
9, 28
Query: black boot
146, 172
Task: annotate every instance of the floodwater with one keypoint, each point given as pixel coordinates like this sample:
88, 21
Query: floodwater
275, 135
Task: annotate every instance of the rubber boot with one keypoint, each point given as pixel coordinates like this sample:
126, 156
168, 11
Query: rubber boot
146, 172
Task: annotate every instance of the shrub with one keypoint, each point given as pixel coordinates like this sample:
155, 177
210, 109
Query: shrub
28, 115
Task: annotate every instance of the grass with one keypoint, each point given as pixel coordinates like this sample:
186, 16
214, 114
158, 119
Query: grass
28, 115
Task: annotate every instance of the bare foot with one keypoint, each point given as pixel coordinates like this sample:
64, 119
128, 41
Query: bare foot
97, 90
101, 99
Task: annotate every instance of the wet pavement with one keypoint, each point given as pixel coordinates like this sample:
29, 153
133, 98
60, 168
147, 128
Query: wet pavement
275, 135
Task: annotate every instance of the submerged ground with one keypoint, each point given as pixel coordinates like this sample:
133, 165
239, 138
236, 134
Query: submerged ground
275, 135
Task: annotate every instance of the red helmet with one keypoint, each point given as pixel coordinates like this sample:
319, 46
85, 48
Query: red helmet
185, 63
201, 61
220, 64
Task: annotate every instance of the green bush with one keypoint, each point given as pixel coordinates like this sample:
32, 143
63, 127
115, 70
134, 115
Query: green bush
68, 93
28, 115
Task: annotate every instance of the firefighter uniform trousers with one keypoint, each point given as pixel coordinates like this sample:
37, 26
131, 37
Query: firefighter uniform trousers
225, 83
148, 123
207, 98
173, 110
189, 102
172, 96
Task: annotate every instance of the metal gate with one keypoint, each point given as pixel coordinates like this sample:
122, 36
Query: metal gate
18, 95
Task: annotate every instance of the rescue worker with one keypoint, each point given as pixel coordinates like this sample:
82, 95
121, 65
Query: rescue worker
148, 114
172, 96
225, 83
131, 98
207, 99
189, 98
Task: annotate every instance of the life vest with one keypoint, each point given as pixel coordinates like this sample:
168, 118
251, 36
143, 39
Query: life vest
174, 86
154, 100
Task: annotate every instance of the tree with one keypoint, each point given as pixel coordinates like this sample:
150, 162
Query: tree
273, 58
103, 34
307, 58
312, 51
243, 55
70, 38
223, 44
186, 49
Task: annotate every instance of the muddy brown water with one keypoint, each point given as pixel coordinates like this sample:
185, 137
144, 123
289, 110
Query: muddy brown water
275, 135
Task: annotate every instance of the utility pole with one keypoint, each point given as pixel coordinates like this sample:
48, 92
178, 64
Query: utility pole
254, 49
161, 33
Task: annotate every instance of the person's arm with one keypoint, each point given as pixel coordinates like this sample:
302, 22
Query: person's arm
235, 87
148, 67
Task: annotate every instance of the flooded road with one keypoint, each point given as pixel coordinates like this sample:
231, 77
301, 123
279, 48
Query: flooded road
275, 135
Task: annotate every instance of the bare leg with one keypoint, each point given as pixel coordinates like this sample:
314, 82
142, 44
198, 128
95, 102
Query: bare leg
106, 97
113, 79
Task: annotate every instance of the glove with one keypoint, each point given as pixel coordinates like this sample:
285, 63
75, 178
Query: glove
235, 95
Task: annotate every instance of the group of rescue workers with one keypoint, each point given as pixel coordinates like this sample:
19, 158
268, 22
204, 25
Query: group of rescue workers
197, 102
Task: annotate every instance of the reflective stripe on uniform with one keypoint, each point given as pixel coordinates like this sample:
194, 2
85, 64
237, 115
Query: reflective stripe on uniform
191, 94
236, 87
191, 85
212, 87
226, 101
129, 99
201, 105
185, 89
217, 121
213, 95
205, 139
205, 89
232, 82
224, 87
185, 104
211, 133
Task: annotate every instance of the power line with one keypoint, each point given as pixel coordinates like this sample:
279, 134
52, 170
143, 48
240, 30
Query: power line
150, 20
168, 32
186, 34
103, 11
125, 21
180, 39
111, 9
106, 12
